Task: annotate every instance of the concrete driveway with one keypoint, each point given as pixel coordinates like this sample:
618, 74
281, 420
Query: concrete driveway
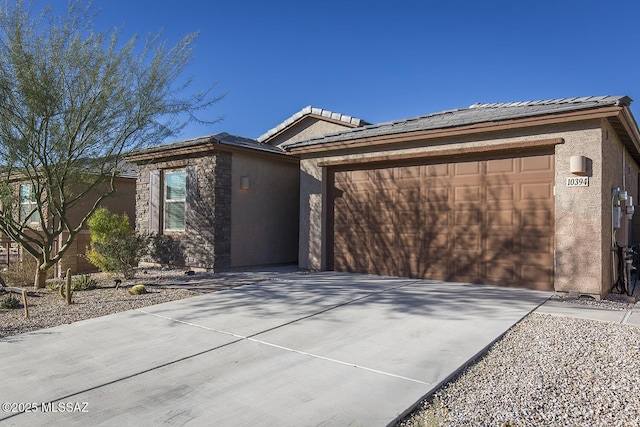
299, 349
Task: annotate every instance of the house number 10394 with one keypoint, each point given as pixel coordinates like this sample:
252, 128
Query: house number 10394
578, 181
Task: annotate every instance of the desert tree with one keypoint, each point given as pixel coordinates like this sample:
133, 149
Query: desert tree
73, 100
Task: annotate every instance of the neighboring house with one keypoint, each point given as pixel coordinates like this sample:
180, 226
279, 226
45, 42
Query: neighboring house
120, 202
219, 201
516, 194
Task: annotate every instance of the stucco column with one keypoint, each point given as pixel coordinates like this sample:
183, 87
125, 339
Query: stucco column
580, 244
311, 232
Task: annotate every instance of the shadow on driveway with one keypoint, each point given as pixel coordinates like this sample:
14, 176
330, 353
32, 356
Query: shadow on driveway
296, 349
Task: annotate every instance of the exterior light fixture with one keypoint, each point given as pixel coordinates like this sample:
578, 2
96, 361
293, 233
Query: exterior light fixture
578, 165
244, 182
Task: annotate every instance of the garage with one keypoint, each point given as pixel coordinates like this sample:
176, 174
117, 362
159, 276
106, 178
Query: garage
484, 194
486, 220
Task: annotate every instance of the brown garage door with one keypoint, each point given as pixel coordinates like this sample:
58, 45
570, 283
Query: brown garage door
485, 220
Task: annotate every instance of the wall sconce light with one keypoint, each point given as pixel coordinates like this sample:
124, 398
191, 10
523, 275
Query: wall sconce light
578, 165
244, 182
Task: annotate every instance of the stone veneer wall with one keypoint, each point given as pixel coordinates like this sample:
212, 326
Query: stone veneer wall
206, 241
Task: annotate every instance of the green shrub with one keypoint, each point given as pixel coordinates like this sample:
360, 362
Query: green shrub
53, 287
10, 302
84, 283
138, 290
115, 247
166, 250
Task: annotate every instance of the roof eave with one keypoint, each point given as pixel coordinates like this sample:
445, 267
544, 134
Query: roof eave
475, 128
160, 153
630, 137
209, 146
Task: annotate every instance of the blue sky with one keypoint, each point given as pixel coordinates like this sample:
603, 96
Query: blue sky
388, 60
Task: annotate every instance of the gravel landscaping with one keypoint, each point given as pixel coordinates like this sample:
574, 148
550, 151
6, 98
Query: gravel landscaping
545, 371
48, 309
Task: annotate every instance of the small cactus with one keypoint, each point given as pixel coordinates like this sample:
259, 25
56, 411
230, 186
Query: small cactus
65, 289
10, 302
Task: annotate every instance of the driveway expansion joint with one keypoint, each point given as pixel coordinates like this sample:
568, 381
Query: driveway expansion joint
304, 353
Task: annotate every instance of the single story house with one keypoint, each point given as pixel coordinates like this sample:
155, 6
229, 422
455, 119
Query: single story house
525, 194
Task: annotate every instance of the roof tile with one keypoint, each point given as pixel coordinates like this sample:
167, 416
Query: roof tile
315, 111
476, 113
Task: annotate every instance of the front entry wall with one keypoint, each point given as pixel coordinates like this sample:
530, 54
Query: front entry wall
487, 220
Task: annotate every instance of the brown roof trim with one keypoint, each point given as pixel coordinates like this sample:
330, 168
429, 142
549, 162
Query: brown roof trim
462, 130
171, 152
631, 128
202, 149
446, 152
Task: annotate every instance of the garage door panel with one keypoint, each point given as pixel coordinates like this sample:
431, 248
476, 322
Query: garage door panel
537, 276
470, 193
536, 164
409, 195
466, 168
437, 270
411, 214
467, 242
501, 166
409, 221
412, 264
436, 219
357, 176
378, 216
500, 245
500, 219
534, 244
501, 273
353, 262
466, 218
409, 172
434, 240
536, 218
467, 269
439, 170
536, 191
409, 243
485, 221
501, 192
382, 176
437, 195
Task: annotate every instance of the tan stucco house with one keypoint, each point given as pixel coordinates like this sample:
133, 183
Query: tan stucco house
527, 194
122, 201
